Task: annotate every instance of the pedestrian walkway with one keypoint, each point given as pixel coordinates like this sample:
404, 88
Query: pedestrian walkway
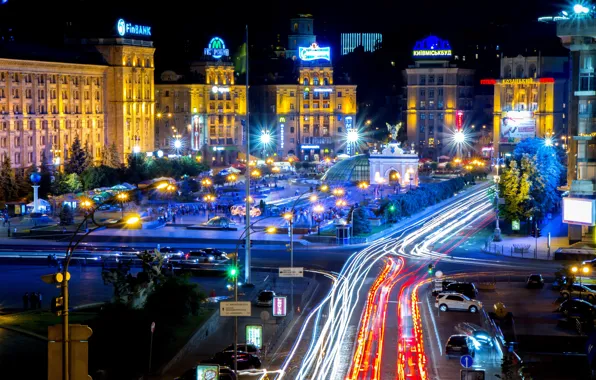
525, 246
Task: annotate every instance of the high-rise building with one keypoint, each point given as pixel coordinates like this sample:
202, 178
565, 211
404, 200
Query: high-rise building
576, 30
369, 41
301, 34
310, 119
203, 110
439, 98
529, 100
103, 94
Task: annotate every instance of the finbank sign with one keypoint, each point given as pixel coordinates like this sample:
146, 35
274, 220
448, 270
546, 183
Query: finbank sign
126, 28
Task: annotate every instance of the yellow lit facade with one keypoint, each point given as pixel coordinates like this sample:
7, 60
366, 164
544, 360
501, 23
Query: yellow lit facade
437, 92
206, 118
44, 104
312, 117
531, 95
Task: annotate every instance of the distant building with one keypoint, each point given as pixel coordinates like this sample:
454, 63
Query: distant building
203, 109
529, 100
439, 98
369, 41
301, 34
101, 91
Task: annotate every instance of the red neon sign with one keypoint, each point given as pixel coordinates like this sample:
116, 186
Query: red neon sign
546, 80
488, 81
459, 119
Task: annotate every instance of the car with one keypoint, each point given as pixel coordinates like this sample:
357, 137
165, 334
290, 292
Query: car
183, 260
535, 281
477, 332
226, 358
265, 298
217, 254
246, 347
560, 283
457, 301
460, 345
219, 222
589, 263
578, 291
169, 251
466, 288
575, 308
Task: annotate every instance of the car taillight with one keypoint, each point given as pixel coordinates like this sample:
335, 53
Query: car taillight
186, 256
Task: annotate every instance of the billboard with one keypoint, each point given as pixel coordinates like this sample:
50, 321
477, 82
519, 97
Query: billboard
580, 211
517, 126
207, 372
280, 307
254, 335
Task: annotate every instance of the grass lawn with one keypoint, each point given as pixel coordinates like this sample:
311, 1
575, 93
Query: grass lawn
38, 321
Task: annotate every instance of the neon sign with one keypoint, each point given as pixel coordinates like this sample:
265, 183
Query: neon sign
323, 90
459, 120
518, 81
432, 47
314, 52
221, 90
216, 48
281, 135
125, 28
311, 146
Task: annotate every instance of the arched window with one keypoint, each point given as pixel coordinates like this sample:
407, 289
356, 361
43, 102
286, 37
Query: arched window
519, 71
305, 81
507, 71
532, 71
326, 81
316, 81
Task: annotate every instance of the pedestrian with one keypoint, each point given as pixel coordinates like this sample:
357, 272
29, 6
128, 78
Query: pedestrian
174, 218
39, 298
26, 301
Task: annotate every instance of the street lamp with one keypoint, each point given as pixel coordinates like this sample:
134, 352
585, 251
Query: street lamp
122, 197
313, 198
231, 178
338, 192
319, 209
207, 182
209, 199
496, 178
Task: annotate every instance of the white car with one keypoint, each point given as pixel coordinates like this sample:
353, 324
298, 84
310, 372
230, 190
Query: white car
456, 301
579, 291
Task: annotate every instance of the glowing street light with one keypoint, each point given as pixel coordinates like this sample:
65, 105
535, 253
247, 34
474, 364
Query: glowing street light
363, 185
209, 199
459, 137
319, 209
206, 182
265, 137
255, 173
313, 198
353, 136
271, 230
338, 192
269, 161
133, 220
288, 216
580, 9
548, 141
341, 203
324, 188
177, 144
122, 197
232, 178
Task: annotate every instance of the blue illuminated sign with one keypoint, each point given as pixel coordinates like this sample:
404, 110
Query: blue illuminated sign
314, 52
432, 47
125, 28
216, 48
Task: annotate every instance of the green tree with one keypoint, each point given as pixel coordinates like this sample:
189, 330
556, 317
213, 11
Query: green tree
8, 188
136, 169
77, 160
536, 201
23, 183
174, 298
89, 161
72, 183
46, 172
100, 176
66, 216
110, 157
514, 187
360, 222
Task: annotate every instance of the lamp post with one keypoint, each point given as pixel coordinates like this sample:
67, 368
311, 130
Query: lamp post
209, 199
122, 197
497, 232
319, 209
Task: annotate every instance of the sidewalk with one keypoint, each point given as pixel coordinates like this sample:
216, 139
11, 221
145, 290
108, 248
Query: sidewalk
530, 247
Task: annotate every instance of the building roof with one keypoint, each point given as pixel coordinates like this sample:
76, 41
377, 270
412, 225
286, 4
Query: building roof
353, 169
30, 52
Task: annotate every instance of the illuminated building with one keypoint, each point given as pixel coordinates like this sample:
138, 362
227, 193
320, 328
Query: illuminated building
104, 97
529, 100
576, 31
439, 97
309, 119
205, 109
369, 41
301, 34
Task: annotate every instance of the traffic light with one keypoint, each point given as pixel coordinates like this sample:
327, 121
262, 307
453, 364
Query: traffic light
57, 305
538, 232
233, 272
392, 208
55, 278
430, 269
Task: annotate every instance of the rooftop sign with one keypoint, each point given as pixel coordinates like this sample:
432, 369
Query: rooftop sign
126, 28
216, 48
432, 47
491, 82
314, 52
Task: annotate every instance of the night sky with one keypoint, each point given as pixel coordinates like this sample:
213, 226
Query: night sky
187, 25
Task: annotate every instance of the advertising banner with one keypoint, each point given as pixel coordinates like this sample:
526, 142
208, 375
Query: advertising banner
254, 335
517, 126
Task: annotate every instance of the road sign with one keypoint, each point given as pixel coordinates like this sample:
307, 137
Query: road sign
234, 309
207, 372
152, 327
466, 361
471, 374
291, 272
254, 335
280, 306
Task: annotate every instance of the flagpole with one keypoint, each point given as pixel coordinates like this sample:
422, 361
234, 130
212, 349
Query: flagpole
247, 276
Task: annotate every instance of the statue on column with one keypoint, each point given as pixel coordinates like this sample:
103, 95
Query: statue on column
393, 130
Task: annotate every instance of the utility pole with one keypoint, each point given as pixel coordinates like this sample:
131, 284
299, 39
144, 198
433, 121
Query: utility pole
497, 232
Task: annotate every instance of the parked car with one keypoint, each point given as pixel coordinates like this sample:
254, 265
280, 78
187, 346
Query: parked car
457, 301
265, 298
466, 288
477, 332
246, 347
575, 308
560, 283
535, 281
578, 291
226, 358
459, 345
219, 221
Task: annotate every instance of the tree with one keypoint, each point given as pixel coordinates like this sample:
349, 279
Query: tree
360, 222
514, 187
536, 202
111, 158
100, 176
88, 157
23, 183
174, 298
46, 172
77, 160
8, 189
66, 216
136, 169
553, 174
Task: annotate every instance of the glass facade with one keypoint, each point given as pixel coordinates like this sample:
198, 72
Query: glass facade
353, 169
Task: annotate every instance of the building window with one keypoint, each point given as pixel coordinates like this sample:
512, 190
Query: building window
291, 106
306, 106
422, 93
422, 116
305, 95
30, 157
440, 80
440, 116
316, 81
292, 93
305, 82
17, 158
339, 94
339, 106
306, 128
422, 104
431, 79
431, 93
586, 82
339, 129
422, 80
167, 94
292, 129
431, 104
440, 92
